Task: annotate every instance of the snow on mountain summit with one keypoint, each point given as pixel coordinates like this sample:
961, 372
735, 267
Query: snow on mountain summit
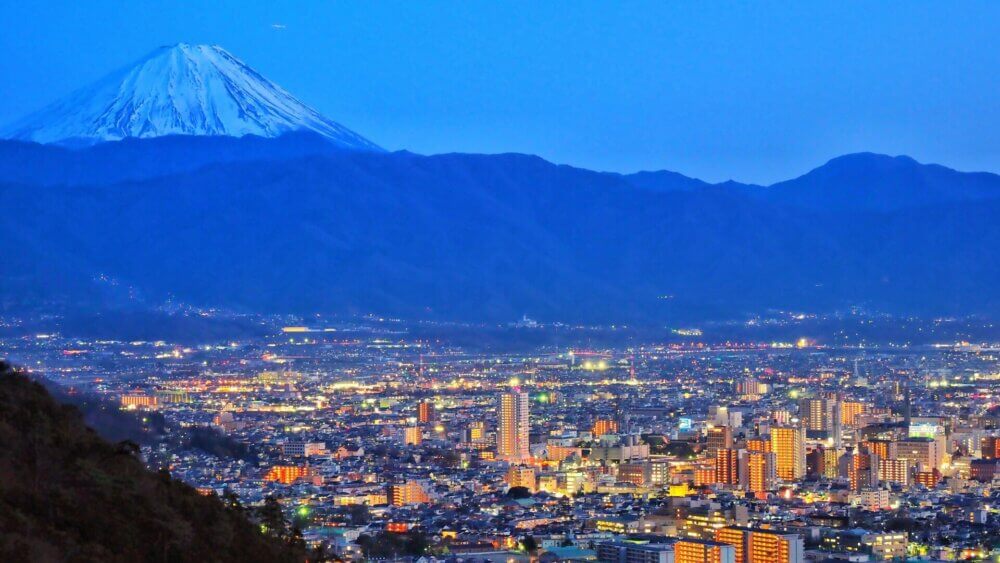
179, 90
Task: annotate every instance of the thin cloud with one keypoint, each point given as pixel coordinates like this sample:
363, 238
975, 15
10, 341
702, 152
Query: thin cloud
278, 26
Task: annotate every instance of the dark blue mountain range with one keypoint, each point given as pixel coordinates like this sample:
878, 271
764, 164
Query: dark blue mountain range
296, 224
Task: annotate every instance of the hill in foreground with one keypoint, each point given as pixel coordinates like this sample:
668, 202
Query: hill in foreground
68, 495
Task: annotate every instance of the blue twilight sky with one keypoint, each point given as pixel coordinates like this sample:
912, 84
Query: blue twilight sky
756, 91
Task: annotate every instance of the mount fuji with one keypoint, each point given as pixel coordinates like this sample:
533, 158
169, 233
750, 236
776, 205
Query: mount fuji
221, 190
180, 90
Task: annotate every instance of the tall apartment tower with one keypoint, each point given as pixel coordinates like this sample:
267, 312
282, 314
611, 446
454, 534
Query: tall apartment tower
789, 446
513, 426
821, 417
425, 412
761, 474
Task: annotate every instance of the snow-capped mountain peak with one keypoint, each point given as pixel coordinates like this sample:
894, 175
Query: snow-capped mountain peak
180, 90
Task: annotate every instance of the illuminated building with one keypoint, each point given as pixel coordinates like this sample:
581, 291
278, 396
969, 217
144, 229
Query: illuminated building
894, 471
303, 449
831, 462
991, 447
816, 414
412, 436
984, 470
604, 426
752, 388
727, 465
821, 418
758, 445
659, 472
703, 551
616, 525
762, 546
875, 499
397, 527
761, 472
849, 411
884, 449
138, 401
735, 537
704, 475
556, 452
718, 437
634, 552
514, 426
409, 492
173, 396
885, 546
702, 523
521, 476
475, 433
928, 479
862, 471
789, 446
288, 474
425, 412
925, 452
639, 474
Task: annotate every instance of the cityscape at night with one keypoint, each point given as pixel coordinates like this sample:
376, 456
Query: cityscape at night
385, 440
479, 317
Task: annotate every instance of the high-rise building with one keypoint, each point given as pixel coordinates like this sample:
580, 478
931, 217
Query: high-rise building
894, 471
751, 388
762, 546
425, 412
514, 426
761, 475
822, 417
758, 445
884, 449
815, 414
863, 471
925, 452
728, 462
991, 447
849, 411
412, 436
604, 426
789, 446
718, 437
703, 551
831, 462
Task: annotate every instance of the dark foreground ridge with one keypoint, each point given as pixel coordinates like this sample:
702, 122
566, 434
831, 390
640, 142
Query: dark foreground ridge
68, 495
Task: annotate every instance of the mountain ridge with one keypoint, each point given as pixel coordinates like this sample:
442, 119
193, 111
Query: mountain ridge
479, 237
179, 89
204, 183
